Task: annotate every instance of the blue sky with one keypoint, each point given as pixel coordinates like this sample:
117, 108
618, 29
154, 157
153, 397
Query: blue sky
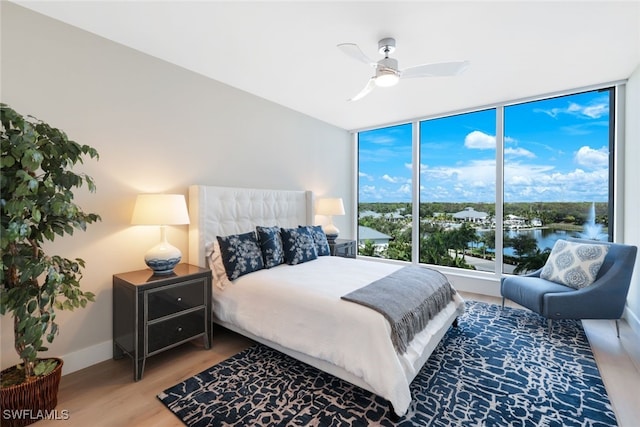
555, 150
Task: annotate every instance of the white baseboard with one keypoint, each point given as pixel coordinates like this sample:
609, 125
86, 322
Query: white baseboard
632, 320
86, 357
467, 283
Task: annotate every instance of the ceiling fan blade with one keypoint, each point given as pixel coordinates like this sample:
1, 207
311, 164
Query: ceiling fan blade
364, 92
440, 69
352, 50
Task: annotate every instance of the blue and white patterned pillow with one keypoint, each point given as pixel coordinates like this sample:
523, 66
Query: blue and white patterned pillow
271, 246
241, 254
298, 245
319, 238
574, 264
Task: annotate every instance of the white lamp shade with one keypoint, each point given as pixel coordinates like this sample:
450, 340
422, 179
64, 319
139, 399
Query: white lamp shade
160, 209
330, 206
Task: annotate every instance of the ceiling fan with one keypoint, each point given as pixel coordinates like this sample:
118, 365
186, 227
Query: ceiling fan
387, 71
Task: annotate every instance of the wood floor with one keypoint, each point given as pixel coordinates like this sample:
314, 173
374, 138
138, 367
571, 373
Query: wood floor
106, 395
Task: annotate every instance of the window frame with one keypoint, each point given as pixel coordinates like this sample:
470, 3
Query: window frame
616, 171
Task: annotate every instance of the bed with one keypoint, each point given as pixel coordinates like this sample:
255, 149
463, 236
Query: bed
298, 309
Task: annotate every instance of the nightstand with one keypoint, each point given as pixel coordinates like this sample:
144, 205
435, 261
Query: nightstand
153, 313
344, 248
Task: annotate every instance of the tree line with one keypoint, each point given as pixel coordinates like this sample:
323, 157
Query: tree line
446, 246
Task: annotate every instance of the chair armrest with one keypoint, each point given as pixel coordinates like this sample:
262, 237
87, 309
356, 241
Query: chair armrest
603, 299
534, 273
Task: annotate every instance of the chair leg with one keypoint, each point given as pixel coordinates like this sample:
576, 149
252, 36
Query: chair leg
550, 325
503, 302
617, 328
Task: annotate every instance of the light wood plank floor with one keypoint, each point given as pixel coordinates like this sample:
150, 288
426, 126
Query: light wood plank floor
106, 395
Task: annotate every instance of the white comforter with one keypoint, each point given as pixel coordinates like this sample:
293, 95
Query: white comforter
299, 307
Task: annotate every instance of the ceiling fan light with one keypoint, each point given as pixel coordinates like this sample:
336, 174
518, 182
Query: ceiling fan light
387, 79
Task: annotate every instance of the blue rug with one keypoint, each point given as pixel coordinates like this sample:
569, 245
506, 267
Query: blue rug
497, 368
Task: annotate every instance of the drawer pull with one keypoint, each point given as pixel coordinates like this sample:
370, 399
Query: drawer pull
179, 299
179, 329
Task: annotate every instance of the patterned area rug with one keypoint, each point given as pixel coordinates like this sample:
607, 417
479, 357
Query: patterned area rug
498, 368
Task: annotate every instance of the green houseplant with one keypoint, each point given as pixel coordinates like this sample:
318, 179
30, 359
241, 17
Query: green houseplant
36, 198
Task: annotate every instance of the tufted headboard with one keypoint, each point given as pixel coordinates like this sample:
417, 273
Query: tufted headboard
220, 211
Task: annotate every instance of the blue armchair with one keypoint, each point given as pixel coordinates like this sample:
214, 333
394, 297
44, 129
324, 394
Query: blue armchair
604, 299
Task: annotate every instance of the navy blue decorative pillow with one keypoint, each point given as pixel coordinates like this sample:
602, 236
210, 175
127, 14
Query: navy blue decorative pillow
241, 254
271, 246
319, 238
298, 245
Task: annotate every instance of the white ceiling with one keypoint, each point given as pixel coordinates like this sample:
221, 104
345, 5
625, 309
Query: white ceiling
286, 51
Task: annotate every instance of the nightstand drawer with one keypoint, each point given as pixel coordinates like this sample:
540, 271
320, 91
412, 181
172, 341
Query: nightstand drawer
174, 330
174, 299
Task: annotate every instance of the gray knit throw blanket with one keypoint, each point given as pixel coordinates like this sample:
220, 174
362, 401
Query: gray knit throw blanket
408, 298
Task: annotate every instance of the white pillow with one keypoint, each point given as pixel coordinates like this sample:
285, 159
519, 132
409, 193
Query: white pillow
214, 258
574, 264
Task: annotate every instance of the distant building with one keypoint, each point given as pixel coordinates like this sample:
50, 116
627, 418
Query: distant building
471, 215
396, 216
515, 222
380, 240
390, 216
369, 214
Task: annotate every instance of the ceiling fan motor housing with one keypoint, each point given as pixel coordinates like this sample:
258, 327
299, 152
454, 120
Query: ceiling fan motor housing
387, 45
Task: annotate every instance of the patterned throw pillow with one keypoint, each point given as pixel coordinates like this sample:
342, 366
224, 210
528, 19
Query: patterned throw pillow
298, 245
319, 238
574, 264
271, 246
241, 254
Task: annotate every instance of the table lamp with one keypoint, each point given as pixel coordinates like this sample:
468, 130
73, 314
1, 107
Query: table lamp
162, 210
330, 207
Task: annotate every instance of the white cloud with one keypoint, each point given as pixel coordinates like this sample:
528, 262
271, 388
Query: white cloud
588, 157
519, 152
479, 140
483, 141
472, 181
391, 179
526, 182
365, 176
597, 109
440, 173
378, 139
370, 192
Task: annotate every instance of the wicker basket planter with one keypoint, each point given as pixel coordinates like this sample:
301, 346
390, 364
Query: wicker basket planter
27, 403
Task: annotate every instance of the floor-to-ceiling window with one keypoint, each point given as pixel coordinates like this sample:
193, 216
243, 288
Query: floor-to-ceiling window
385, 192
556, 174
553, 158
458, 190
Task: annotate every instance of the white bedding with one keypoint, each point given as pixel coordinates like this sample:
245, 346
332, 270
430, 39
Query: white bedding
299, 307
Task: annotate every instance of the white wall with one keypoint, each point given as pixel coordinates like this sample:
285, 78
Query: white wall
631, 193
158, 128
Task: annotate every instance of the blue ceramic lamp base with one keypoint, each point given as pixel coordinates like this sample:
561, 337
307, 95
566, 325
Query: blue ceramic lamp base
162, 266
163, 257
